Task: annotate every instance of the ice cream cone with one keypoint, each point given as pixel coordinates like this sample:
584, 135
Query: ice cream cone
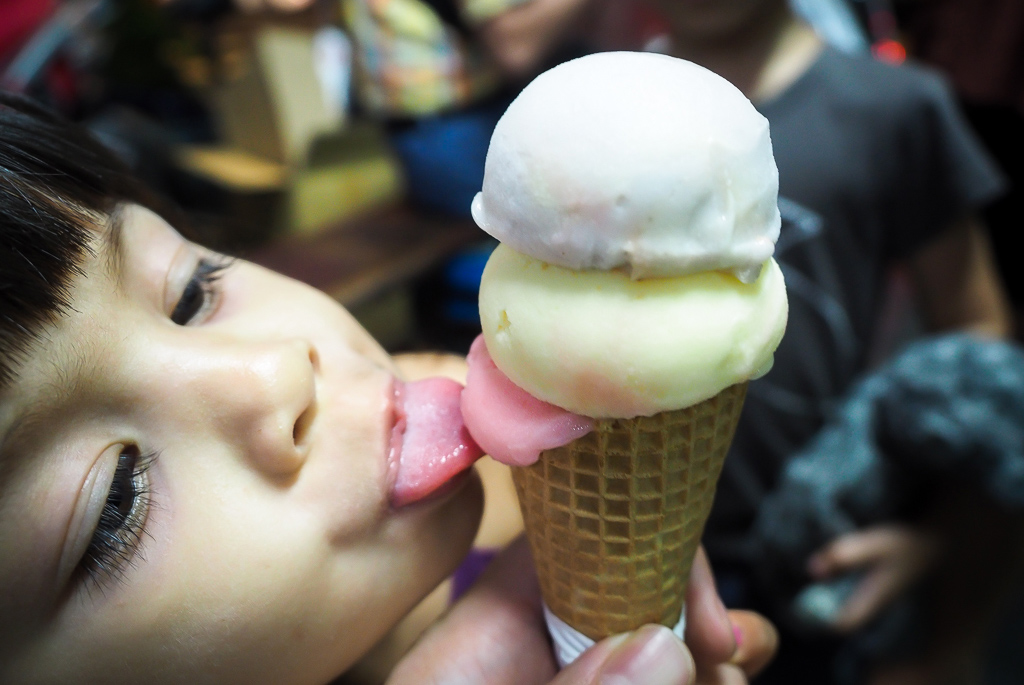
615, 517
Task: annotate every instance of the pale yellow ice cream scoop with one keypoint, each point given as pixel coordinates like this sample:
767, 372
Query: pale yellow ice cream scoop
602, 345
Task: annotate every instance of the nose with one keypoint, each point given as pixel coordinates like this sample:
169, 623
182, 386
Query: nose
260, 398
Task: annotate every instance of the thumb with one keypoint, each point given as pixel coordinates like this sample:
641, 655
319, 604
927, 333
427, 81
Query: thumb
652, 655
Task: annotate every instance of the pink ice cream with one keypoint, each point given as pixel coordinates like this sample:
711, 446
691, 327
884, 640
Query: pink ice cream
510, 424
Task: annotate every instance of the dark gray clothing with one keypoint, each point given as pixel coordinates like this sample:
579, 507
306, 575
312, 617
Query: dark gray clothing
940, 425
875, 161
946, 409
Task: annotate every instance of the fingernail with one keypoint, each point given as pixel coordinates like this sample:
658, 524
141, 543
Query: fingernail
737, 654
653, 655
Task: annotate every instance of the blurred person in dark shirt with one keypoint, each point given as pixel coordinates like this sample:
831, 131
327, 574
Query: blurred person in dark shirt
877, 169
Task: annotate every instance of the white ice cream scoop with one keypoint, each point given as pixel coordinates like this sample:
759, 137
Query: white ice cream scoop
633, 160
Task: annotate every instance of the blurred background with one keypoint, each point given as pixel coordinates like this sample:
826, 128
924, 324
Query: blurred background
249, 115
252, 117
341, 142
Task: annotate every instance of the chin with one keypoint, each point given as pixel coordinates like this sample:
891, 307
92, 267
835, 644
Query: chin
452, 522
463, 509
439, 541
470, 498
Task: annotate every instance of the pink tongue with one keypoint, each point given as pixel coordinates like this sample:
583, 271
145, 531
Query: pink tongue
509, 423
429, 440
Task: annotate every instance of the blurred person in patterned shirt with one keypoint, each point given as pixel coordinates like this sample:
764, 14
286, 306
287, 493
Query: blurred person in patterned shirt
440, 73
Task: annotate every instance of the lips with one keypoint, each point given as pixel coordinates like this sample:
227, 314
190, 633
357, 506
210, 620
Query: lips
430, 444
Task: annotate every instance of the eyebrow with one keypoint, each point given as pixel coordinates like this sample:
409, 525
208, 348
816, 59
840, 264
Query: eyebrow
112, 243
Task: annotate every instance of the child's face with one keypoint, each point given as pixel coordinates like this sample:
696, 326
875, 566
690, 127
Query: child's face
245, 421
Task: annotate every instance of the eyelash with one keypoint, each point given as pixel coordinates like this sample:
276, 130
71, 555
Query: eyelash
118, 533
202, 284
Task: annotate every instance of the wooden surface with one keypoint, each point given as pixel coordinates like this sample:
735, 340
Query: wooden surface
358, 258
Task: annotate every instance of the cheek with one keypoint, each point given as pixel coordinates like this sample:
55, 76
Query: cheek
238, 582
217, 603
221, 525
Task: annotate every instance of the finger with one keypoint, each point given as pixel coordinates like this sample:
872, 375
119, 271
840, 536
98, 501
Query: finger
709, 633
757, 640
652, 655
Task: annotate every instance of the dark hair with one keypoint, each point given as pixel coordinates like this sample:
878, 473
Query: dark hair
54, 179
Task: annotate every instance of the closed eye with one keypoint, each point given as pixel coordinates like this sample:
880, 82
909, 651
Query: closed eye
201, 290
121, 524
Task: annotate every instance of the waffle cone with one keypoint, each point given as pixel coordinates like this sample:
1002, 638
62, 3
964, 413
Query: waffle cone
615, 517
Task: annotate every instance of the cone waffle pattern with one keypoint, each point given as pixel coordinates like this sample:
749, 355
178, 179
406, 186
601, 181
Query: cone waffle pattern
614, 518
